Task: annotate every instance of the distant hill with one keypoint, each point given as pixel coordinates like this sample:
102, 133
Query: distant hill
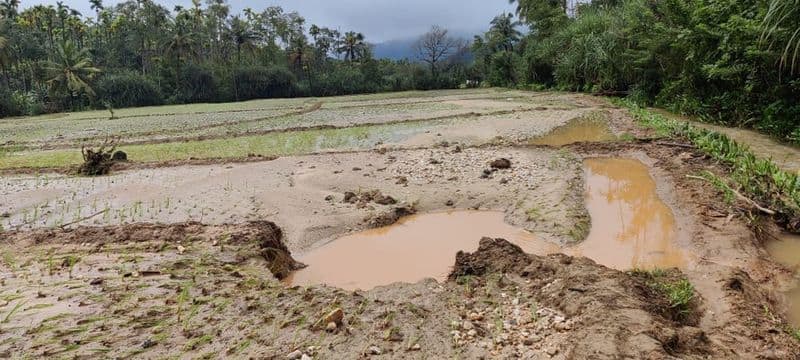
400, 49
395, 50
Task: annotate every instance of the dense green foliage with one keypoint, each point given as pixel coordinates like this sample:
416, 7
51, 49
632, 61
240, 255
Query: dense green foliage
137, 52
127, 90
729, 61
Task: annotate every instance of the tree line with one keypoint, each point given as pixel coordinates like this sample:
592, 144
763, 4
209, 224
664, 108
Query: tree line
735, 62
138, 53
730, 61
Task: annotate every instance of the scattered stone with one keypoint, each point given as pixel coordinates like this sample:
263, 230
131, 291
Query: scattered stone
119, 155
331, 327
97, 281
294, 355
305, 357
501, 163
457, 149
148, 344
336, 317
356, 169
329, 198
350, 197
416, 347
503, 181
552, 351
449, 203
5, 215
374, 350
181, 249
385, 200
434, 161
401, 180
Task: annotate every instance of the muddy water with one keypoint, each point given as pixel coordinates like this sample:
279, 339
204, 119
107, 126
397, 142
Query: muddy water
786, 250
578, 130
417, 247
631, 226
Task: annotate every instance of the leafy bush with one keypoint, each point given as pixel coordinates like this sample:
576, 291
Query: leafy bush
257, 82
198, 84
128, 90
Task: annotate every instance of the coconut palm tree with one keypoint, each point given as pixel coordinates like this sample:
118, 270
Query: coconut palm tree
504, 32
180, 45
242, 35
782, 28
97, 6
352, 46
70, 71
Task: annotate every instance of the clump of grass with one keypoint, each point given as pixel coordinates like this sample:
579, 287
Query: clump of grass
759, 179
677, 291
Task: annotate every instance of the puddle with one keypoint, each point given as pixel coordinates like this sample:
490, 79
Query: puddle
415, 248
631, 226
578, 130
786, 251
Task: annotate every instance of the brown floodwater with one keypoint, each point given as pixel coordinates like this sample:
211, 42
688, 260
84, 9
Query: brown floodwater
786, 250
415, 248
578, 130
631, 228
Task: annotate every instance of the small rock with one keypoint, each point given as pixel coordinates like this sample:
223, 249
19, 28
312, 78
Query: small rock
97, 281
504, 181
181, 249
457, 149
5, 215
552, 351
385, 200
331, 327
416, 347
305, 357
467, 325
401, 180
434, 161
336, 316
148, 344
472, 333
374, 350
356, 169
294, 355
501, 163
329, 198
449, 203
350, 197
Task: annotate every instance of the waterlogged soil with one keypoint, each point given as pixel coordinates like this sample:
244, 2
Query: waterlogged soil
583, 129
632, 228
82, 275
785, 249
430, 241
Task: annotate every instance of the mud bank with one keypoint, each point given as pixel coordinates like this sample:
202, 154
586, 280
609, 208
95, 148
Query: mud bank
204, 290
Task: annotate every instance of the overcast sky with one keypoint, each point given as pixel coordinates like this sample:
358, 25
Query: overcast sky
379, 20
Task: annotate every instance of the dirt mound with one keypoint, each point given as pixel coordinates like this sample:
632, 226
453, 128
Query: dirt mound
493, 255
608, 313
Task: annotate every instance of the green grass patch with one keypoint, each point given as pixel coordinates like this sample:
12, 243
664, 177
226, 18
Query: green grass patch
676, 290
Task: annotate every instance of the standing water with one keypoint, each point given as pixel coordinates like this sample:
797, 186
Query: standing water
631, 228
786, 250
415, 248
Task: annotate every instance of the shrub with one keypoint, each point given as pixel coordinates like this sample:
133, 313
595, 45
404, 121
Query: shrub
198, 84
128, 90
257, 82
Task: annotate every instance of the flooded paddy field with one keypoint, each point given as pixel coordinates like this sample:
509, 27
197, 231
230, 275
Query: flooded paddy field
379, 234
